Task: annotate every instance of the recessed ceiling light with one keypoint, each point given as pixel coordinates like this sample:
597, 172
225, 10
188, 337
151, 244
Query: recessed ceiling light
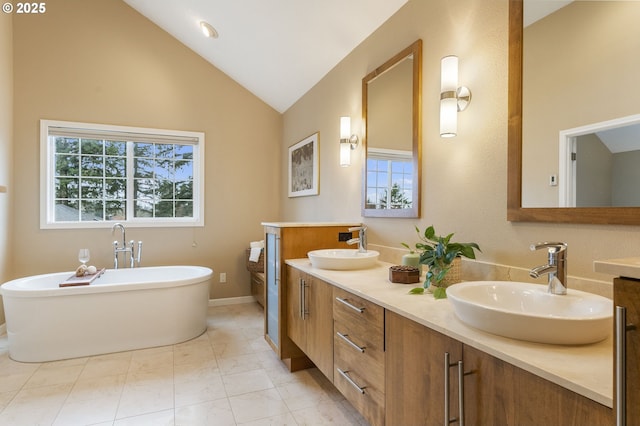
208, 30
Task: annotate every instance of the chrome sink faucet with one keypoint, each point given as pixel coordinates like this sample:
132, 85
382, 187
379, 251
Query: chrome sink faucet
361, 240
556, 266
125, 248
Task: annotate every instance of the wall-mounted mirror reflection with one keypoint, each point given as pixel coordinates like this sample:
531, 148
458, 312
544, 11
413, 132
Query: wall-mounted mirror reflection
580, 68
391, 112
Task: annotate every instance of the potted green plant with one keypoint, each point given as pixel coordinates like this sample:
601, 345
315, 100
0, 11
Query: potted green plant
439, 254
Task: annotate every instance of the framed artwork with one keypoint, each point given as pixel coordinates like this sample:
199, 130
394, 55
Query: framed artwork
304, 167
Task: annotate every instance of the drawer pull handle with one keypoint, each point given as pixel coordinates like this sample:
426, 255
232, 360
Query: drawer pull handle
345, 302
350, 380
621, 329
350, 342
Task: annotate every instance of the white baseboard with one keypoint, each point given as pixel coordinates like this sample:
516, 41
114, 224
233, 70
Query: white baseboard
231, 301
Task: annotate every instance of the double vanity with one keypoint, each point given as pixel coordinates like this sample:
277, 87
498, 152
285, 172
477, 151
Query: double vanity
409, 359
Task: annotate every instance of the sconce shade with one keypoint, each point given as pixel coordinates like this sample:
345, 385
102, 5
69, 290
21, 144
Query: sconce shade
345, 154
448, 102
345, 127
448, 117
449, 74
452, 97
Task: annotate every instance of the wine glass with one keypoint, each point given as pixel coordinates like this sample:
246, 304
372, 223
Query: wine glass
84, 255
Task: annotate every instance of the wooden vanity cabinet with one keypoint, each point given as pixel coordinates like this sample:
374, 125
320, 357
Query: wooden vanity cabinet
359, 357
626, 295
309, 319
285, 240
494, 392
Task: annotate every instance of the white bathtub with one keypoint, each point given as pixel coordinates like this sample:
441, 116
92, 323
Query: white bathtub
122, 310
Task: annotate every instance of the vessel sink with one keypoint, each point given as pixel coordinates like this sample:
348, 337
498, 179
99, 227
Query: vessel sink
527, 312
342, 259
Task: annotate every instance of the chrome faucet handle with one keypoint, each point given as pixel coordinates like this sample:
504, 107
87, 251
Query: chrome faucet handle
557, 250
554, 247
358, 228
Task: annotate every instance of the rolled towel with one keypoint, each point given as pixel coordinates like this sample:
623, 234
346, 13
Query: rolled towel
254, 254
257, 244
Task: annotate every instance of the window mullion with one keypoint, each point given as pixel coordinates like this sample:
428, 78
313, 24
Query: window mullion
130, 181
389, 185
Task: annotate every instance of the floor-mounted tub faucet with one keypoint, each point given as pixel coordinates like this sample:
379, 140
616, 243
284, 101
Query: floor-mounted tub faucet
556, 266
125, 248
361, 240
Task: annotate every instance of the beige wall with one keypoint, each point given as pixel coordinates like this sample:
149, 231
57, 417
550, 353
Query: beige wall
464, 178
6, 139
100, 61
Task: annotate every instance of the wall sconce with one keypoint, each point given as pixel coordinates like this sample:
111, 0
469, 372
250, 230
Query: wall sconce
452, 97
348, 141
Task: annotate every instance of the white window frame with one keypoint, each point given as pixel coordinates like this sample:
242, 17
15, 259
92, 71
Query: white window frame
391, 155
47, 168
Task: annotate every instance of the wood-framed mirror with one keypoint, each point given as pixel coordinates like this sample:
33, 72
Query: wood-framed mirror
391, 112
519, 208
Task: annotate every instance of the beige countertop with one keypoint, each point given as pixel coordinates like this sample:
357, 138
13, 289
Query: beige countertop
586, 370
627, 267
308, 224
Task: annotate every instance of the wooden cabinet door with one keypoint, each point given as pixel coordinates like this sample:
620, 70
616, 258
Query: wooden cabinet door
319, 325
309, 318
296, 330
496, 392
415, 373
626, 293
488, 389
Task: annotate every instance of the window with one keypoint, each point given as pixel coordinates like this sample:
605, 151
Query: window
389, 179
94, 175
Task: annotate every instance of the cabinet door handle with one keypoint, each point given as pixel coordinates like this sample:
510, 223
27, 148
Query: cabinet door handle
300, 299
345, 374
277, 261
350, 342
447, 411
621, 364
344, 301
461, 393
447, 366
303, 298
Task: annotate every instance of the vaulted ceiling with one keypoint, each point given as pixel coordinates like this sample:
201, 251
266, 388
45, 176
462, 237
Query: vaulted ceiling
277, 49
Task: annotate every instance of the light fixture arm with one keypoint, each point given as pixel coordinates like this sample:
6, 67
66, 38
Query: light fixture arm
353, 140
462, 96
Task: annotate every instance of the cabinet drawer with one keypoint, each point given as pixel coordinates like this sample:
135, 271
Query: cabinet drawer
359, 355
365, 318
364, 396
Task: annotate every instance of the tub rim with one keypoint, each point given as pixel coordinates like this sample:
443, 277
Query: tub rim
11, 289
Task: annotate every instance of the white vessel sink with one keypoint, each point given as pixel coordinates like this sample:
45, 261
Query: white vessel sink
527, 312
343, 259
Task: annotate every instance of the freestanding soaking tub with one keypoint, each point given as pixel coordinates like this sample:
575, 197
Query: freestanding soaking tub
122, 310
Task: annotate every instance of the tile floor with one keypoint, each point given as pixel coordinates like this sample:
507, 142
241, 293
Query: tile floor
227, 376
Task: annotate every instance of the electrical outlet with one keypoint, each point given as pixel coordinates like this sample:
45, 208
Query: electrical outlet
553, 180
223, 277
344, 236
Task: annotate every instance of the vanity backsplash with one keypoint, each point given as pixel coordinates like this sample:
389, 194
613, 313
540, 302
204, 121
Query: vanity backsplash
475, 270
